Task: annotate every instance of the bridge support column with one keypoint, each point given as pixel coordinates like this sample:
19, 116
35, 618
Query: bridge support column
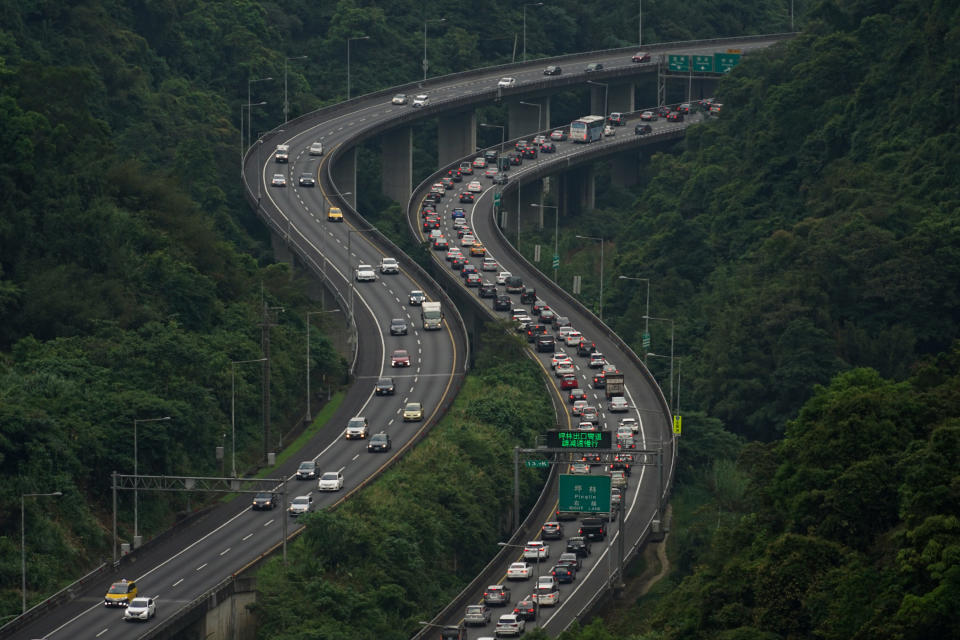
523, 119
580, 189
396, 151
622, 98
528, 193
624, 167
456, 136
345, 175
597, 95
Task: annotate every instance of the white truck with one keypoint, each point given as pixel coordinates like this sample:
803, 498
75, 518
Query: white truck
282, 154
432, 315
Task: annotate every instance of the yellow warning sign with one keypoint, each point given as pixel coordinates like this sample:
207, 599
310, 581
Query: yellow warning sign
676, 425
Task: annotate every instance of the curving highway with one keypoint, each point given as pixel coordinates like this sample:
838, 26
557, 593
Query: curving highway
193, 560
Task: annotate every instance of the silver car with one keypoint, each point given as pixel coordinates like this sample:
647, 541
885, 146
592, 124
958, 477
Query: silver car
140, 609
477, 614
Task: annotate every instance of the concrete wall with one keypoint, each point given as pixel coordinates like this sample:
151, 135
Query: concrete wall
456, 136
522, 119
396, 162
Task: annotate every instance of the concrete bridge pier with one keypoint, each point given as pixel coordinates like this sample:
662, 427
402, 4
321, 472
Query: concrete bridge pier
456, 136
524, 119
580, 191
396, 151
622, 97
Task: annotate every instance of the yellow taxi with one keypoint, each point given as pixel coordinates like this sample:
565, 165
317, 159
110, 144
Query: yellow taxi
120, 593
477, 249
335, 214
413, 412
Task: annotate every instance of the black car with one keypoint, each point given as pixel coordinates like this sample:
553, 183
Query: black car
552, 70
385, 387
642, 129
585, 348
616, 119
526, 609
594, 66
466, 196
546, 344
534, 331
563, 573
514, 284
529, 152
264, 501
516, 159
379, 442
487, 290
675, 116
307, 470
548, 147
500, 178
528, 295
593, 529
501, 303
578, 545
398, 327
307, 180
490, 155
663, 111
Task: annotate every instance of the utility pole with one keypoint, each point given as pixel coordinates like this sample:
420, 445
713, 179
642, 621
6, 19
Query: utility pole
266, 322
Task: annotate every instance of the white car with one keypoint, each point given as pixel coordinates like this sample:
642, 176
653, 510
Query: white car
609, 130
619, 404
489, 264
580, 468
649, 116
400, 98
316, 149
140, 609
509, 625
518, 571
536, 550
502, 277
558, 135
356, 428
565, 369
467, 240
630, 422
389, 265
475, 186
279, 180
573, 338
331, 481
365, 273
546, 596
421, 100
559, 357
300, 505
624, 431
506, 83
590, 414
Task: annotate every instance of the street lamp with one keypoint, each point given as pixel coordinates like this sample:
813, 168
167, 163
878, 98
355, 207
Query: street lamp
672, 324
646, 325
136, 527
640, 24
349, 40
503, 132
243, 147
426, 65
531, 4
601, 270
23, 542
539, 112
286, 105
233, 414
556, 235
606, 90
536, 609
311, 313
250, 81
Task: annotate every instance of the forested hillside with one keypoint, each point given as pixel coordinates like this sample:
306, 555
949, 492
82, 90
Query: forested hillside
807, 244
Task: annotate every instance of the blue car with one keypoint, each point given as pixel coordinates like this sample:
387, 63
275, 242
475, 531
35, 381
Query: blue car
458, 212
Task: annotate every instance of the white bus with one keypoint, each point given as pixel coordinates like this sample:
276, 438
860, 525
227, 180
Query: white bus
587, 128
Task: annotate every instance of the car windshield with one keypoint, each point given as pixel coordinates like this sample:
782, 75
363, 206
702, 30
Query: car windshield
307, 466
474, 608
413, 406
400, 353
139, 602
118, 587
263, 496
330, 475
301, 500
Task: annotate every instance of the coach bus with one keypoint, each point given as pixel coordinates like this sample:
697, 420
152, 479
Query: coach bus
587, 129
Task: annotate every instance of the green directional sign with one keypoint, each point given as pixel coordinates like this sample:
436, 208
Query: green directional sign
703, 64
556, 261
723, 62
584, 493
676, 62
496, 199
537, 464
646, 341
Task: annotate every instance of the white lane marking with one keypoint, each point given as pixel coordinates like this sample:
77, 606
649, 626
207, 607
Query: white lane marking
201, 567
246, 537
356, 456
103, 632
177, 582
225, 552
267, 523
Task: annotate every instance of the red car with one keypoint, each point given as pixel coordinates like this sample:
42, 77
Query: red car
675, 116
400, 358
641, 56
568, 382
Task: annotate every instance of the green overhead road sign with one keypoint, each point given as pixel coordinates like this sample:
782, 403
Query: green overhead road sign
703, 64
677, 62
584, 493
537, 464
723, 62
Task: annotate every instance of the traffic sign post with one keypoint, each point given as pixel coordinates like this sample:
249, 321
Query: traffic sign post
703, 64
723, 62
584, 493
676, 62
